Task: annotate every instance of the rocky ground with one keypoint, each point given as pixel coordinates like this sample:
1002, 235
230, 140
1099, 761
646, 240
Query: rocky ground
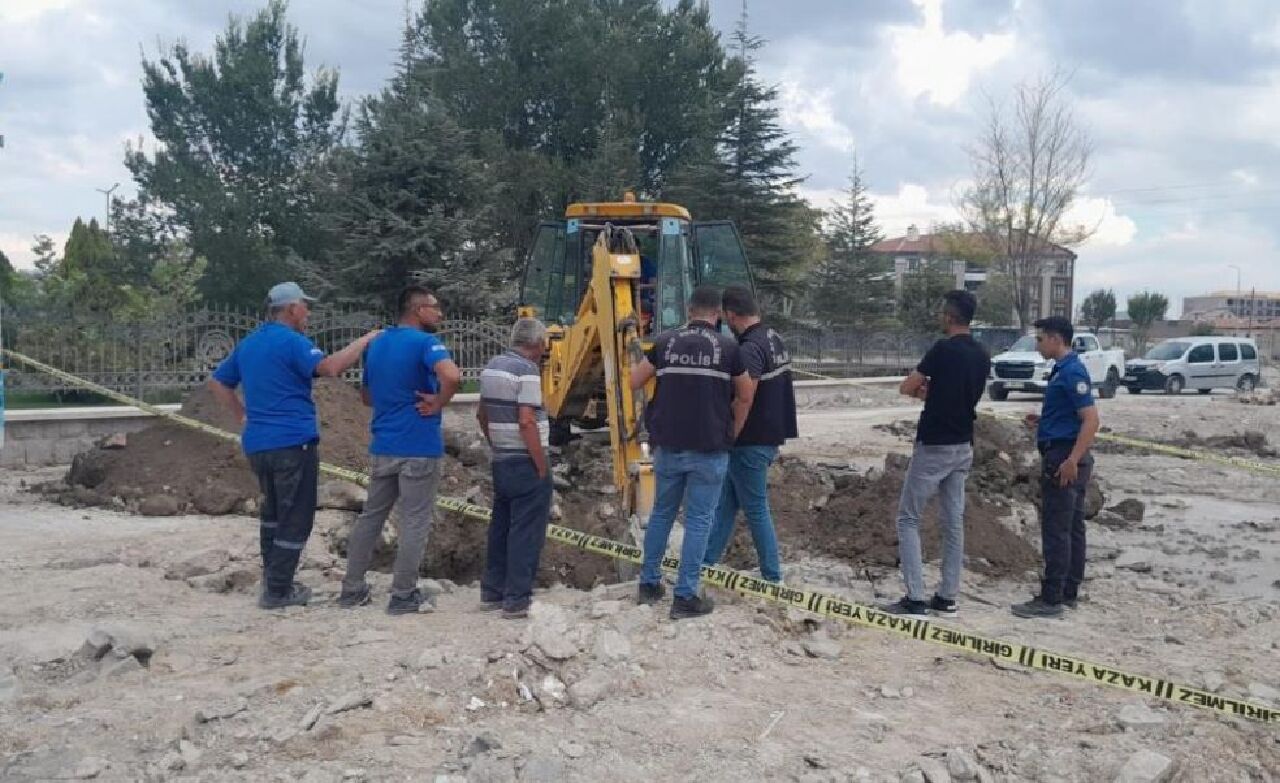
130, 650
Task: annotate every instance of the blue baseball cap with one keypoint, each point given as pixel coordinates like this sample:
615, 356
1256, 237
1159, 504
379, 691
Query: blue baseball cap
282, 294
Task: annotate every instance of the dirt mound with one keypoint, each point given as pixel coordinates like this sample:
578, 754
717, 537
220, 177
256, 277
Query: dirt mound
1251, 442
852, 517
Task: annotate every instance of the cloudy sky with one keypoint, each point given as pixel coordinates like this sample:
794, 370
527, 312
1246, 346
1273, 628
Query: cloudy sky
1182, 98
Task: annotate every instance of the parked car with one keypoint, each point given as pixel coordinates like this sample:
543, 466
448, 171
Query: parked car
1200, 363
1023, 369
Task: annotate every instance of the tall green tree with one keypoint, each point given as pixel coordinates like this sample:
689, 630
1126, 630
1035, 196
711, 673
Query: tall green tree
749, 176
238, 131
1144, 310
573, 99
852, 286
920, 297
412, 202
1098, 308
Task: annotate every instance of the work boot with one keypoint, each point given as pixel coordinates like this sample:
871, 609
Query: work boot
685, 608
515, 611
409, 604
298, 595
350, 599
905, 607
1037, 608
651, 594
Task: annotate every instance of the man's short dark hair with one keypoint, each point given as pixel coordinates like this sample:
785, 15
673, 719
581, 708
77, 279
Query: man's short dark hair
705, 299
960, 306
409, 296
1056, 324
739, 300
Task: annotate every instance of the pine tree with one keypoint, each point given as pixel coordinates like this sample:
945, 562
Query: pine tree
749, 177
410, 203
852, 286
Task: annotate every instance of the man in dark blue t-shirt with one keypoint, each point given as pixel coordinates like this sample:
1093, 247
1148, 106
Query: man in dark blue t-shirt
1065, 429
407, 365
950, 379
697, 411
276, 364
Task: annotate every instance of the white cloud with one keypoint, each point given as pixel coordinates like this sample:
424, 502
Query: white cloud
15, 11
911, 205
1099, 215
810, 111
929, 61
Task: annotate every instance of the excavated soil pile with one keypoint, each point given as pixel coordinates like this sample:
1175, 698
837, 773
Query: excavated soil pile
167, 469
852, 517
1248, 443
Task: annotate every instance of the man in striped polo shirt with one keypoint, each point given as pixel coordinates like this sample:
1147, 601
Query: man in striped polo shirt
513, 421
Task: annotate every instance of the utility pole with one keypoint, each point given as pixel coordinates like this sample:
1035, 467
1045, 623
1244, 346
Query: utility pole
107, 192
1253, 298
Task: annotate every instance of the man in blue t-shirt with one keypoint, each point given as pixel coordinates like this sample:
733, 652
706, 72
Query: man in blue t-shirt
408, 379
276, 364
1065, 429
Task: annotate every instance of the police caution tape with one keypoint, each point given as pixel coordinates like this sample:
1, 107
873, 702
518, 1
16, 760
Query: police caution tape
812, 601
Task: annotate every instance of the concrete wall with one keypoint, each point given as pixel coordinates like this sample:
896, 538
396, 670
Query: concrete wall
53, 436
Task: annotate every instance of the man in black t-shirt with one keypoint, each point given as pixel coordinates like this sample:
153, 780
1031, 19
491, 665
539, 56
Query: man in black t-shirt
950, 379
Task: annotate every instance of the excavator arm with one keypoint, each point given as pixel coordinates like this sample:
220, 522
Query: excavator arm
604, 340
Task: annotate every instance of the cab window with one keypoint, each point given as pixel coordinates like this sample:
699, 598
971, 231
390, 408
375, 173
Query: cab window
1228, 352
1201, 354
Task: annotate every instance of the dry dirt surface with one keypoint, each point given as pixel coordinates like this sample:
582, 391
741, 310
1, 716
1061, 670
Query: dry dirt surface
130, 649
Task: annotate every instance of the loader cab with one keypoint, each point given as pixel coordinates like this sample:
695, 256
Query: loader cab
676, 254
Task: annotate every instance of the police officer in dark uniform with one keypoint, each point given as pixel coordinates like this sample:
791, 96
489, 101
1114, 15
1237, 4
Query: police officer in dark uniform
1065, 429
696, 413
770, 422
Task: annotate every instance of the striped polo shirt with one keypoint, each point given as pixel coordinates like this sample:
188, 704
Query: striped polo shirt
507, 382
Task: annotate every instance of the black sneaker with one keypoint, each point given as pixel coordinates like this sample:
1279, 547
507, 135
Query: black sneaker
651, 594
298, 595
1071, 603
685, 608
515, 612
943, 606
408, 604
907, 608
1036, 608
350, 599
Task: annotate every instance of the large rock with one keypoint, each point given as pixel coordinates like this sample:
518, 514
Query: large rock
160, 506
589, 690
1094, 499
341, 495
1139, 716
88, 469
1132, 509
216, 499
549, 631
1146, 766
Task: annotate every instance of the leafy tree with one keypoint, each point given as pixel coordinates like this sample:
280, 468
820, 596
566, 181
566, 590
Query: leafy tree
1098, 309
1144, 310
852, 286
1028, 167
238, 130
411, 202
749, 177
920, 298
995, 299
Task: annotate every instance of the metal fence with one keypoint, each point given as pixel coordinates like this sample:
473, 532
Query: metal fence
175, 354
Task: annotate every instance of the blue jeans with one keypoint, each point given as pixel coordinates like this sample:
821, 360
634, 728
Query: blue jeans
517, 531
694, 478
746, 487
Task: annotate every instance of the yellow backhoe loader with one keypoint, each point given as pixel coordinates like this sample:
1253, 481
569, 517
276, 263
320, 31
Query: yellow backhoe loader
605, 280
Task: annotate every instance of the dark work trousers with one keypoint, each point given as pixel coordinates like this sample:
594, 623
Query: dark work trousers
288, 480
1062, 530
517, 531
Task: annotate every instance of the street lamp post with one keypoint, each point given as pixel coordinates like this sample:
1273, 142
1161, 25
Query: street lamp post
1239, 303
107, 192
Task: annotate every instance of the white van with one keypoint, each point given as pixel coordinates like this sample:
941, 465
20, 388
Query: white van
1200, 363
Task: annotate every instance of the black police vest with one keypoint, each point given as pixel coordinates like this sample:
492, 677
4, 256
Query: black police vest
772, 419
691, 409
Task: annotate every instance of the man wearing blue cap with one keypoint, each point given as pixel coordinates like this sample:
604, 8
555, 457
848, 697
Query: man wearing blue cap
276, 363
